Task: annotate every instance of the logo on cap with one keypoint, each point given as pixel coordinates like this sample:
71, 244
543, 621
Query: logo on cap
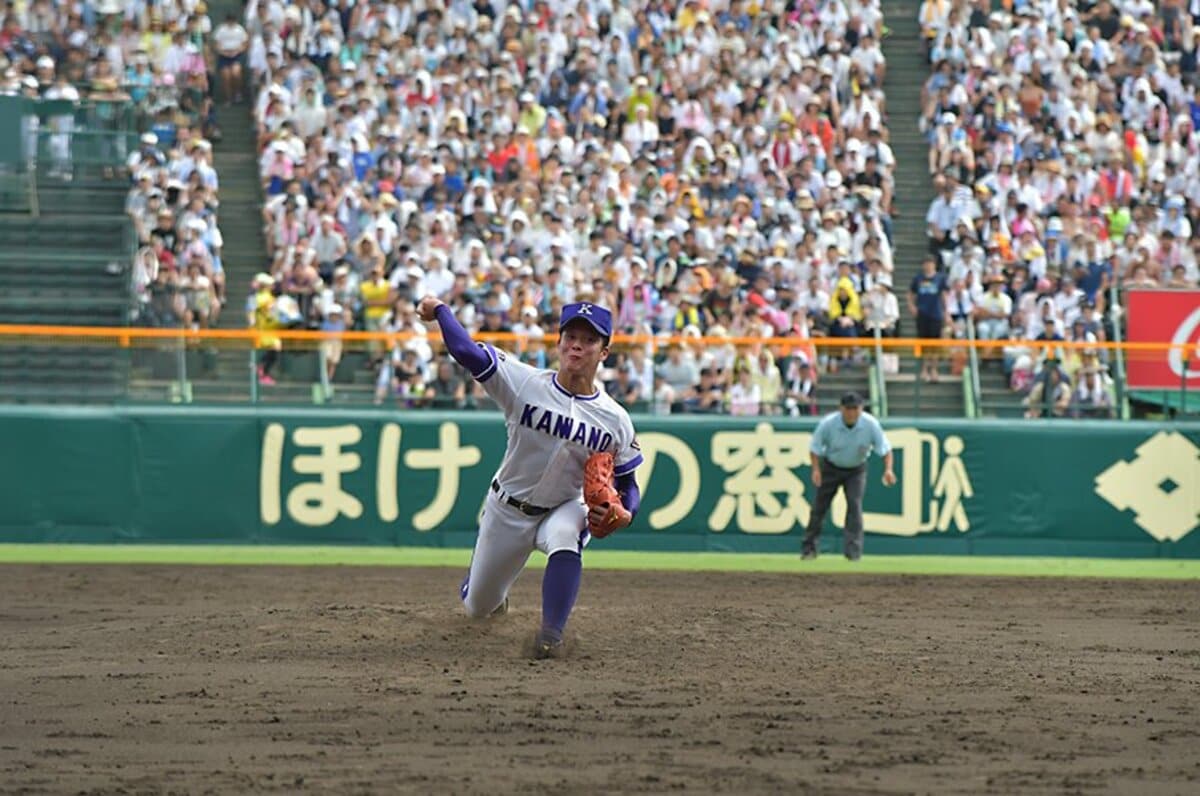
593, 315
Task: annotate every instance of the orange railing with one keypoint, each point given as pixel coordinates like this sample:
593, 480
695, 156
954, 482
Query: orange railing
136, 336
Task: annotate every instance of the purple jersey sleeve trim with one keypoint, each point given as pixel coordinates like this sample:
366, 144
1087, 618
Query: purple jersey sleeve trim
631, 497
478, 360
629, 466
490, 370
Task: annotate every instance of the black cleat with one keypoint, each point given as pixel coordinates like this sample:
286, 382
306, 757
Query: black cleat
548, 645
808, 555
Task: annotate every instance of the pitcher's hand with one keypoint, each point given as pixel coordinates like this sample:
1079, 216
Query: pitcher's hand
427, 309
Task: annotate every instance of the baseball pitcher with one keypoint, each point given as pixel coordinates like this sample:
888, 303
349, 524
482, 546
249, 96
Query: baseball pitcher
567, 472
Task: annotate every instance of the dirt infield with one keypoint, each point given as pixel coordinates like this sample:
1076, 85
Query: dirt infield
149, 679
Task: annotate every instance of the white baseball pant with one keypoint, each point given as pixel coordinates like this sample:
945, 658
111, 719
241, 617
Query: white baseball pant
506, 538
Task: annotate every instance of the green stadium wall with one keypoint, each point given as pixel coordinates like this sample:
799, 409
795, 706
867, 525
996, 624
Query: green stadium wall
282, 476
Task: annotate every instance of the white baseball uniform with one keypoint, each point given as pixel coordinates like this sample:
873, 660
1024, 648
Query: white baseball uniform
551, 433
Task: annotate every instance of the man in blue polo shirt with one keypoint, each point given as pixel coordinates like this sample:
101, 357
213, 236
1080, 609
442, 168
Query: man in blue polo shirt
840, 447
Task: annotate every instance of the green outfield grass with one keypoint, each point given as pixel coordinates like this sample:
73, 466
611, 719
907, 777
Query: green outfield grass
601, 559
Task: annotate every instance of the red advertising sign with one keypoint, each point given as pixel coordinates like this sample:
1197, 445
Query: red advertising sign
1164, 316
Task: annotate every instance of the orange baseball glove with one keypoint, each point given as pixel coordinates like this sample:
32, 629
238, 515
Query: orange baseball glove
601, 496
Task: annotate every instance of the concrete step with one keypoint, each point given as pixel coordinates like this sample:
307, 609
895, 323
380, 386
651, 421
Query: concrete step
907, 73
236, 160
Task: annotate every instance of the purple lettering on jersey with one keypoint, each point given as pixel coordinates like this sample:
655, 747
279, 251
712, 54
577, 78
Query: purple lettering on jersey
563, 426
566, 427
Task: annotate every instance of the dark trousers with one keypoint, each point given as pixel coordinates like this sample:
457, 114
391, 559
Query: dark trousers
854, 482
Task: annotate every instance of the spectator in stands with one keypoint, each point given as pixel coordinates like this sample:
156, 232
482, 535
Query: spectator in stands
679, 371
745, 396
881, 310
624, 386
263, 317
167, 303
769, 381
446, 390
707, 396
927, 303
328, 246
335, 318
943, 216
1179, 278
199, 295
1092, 396
993, 315
845, 318
801, 388
376, 294
960, 307
230, 41
664, 397
303, 284
1051, 393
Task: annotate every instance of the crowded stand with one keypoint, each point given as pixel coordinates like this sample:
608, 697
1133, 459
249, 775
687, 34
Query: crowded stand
716, 170
1064, 158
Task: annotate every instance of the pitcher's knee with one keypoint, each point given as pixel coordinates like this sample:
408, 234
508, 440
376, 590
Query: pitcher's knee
477, 608
572, 546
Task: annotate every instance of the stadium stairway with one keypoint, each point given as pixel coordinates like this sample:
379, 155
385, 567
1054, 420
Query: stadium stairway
245, 252
996, 398
832, 386
907, 73
69, 265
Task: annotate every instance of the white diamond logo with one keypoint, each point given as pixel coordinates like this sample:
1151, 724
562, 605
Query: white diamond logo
1161, 486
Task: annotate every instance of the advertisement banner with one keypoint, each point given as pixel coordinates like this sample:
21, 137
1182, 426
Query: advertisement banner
1156, 316
195, 475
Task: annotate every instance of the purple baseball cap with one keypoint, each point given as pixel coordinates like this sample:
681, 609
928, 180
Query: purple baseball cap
597, 317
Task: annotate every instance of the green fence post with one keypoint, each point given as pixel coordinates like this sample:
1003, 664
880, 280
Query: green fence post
969, 408
254, 375
916, 410
181, 372
873, 390
880, 375
1183, 396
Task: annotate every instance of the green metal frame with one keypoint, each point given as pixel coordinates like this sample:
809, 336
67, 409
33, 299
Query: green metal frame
873, 390
970, 409
972, 388
1114, 305
878, 380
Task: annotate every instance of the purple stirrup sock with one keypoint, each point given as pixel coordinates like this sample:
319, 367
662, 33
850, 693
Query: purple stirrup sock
560, 586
